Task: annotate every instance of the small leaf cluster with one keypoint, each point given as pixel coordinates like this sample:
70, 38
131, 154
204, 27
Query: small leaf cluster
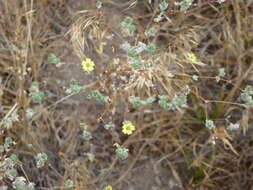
246, 95
127, 24
185, 5
69, 183
98, 96
36, 95
176, 102
30, 113
41, 159
134, 53
9, 163
151, 32
75, 87
8, 168
233, 127
20, 183
52, 58
109, 126
86, 135
221, 73
209, 124
137, 102
10, 119
121, 152
162, 6
8, 142
99, 4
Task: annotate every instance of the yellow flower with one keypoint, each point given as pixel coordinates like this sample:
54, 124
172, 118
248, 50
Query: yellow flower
108, 187
128, 128
88, 65
191, 57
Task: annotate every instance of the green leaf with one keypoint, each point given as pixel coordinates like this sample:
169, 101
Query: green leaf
53, 59
163, 5
99, 4
185, 5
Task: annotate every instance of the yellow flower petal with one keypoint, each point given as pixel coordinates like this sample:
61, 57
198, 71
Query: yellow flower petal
128, 128
88, 65
108, 187
191, 57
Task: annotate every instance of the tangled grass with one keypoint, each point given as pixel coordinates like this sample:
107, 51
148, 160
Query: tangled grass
178, 74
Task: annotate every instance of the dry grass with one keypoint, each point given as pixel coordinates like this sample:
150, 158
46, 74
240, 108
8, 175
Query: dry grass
219, 35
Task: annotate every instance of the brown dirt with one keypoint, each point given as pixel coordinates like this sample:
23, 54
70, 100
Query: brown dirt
173, 153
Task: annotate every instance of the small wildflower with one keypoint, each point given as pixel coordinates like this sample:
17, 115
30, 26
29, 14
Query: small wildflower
209, 124
191, 57
128, 128
88, 65
108, 187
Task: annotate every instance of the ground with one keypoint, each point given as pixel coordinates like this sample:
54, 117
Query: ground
170, 150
